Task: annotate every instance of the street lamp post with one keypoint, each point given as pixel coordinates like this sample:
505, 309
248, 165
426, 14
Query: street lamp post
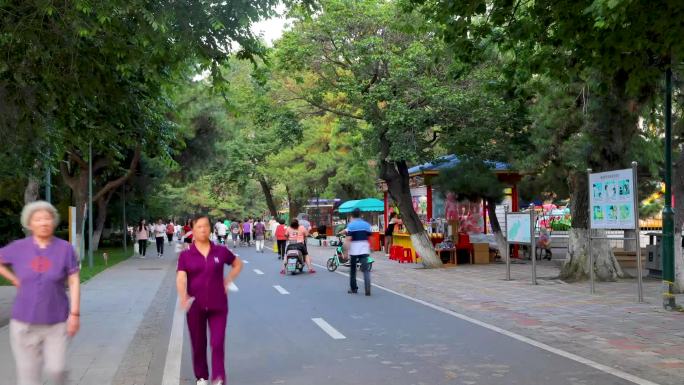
48, 184
668, 213
125, 227
90, 205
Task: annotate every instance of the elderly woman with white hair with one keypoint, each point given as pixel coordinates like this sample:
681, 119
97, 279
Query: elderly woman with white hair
43, 316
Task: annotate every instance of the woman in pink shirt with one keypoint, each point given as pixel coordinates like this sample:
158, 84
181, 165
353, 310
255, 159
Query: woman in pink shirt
295, 238
142, 234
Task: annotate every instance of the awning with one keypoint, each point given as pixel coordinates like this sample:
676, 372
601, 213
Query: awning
365, 205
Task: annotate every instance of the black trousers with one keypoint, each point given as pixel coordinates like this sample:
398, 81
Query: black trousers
281, 248
160, 245
169, 237
363, 258
142, 246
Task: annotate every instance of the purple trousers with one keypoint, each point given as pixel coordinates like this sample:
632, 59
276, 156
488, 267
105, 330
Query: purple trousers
198, 319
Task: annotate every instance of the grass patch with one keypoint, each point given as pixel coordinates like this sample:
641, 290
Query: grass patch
116, 255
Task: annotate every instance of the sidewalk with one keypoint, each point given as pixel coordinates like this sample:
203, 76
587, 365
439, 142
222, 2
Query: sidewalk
113, 306
610, 327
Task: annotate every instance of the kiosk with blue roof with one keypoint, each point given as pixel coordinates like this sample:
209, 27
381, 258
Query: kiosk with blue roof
443, 217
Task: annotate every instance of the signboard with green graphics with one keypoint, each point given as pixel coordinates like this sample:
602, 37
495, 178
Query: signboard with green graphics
611, 200
518, 230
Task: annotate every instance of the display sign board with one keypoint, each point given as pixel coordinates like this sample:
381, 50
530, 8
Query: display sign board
611, 200
518, 230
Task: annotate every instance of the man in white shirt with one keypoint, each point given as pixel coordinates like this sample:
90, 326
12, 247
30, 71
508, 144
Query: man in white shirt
358, 231
221, 231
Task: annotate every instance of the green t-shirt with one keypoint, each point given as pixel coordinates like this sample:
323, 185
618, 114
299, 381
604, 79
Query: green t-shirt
227, 223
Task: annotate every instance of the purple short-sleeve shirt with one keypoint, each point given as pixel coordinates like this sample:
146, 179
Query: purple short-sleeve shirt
41, 298
205, 275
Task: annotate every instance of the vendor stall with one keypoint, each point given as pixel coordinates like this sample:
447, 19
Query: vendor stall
448, 221
372, 211
321, 214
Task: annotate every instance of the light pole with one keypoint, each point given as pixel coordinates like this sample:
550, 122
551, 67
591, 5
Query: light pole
668, 213
90, 204
125, 227
48, 184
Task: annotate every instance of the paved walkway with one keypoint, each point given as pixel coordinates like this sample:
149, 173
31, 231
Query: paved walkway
609, 328
113, 307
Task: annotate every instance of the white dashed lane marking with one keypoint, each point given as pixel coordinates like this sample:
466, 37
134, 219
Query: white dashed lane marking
281, 290
259, 272
331, 331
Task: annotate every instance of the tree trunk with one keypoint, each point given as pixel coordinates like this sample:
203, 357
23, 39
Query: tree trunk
611, 127
630, 245
294, 204
75, 176
576, 266
678, 192
101, 219
496, 226
32, 190
396, 175
268, 194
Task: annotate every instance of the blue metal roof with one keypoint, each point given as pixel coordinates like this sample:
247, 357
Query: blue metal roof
448, 161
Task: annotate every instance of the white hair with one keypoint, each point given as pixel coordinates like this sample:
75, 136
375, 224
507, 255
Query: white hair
31, 208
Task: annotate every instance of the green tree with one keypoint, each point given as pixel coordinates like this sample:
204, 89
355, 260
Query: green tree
616, 49
79, 72
472, 179
367, 60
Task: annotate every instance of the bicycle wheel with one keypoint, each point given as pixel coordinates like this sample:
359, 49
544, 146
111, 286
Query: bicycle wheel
332, 266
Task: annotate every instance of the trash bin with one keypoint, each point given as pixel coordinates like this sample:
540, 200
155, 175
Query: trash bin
374, 241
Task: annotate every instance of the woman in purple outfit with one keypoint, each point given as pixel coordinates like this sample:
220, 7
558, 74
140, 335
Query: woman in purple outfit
203, 293
43, 317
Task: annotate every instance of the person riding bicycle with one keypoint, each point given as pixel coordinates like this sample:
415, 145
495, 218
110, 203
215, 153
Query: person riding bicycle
296, 235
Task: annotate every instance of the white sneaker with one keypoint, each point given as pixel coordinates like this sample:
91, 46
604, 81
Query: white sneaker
202, 381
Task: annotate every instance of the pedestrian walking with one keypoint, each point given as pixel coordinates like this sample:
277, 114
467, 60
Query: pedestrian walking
187, 234
203, 293
389, 232
281, 237
44, 318
220, 230
259, 235
142, 234
304, 221
358, 232
247, 232
235, 232
272, 226
159, 230
170, 230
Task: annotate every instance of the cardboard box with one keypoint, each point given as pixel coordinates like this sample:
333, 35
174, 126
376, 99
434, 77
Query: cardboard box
481, 253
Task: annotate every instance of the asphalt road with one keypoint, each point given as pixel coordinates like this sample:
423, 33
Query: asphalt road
273, 339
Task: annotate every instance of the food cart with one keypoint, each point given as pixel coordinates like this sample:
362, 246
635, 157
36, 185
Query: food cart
445, 218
